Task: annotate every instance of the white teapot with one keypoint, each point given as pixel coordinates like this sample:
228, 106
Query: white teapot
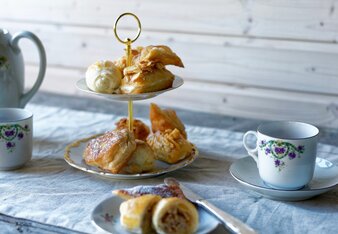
12, 79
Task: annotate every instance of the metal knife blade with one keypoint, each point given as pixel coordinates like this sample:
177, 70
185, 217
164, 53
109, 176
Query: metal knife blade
233, 224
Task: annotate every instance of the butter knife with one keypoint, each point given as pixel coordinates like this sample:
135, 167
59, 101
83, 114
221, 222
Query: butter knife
231, 223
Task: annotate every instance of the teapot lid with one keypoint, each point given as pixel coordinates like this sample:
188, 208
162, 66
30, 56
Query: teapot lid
3, 31
4, 35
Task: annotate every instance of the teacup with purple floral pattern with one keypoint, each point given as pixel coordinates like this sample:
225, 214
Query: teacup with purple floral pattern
285, 153
15, 137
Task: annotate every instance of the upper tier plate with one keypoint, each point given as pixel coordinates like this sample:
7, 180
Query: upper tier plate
81, 84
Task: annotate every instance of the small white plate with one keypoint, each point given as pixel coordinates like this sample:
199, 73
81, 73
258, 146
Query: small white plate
81, 85
106, 216
324, 179
74, 152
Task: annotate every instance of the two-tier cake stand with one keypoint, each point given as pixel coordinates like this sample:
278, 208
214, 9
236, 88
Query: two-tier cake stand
74, 151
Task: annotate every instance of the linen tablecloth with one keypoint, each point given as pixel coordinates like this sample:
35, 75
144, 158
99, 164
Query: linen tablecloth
49, 191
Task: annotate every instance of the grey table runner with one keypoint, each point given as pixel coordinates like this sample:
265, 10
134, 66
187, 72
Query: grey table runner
49, 191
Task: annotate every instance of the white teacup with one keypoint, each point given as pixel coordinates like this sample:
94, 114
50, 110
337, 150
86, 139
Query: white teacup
16, 131
285, 153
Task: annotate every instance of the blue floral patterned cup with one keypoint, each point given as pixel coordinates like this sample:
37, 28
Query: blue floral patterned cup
16, 131
285, 153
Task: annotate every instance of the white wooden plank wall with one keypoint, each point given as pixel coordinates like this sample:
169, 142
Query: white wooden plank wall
252, 58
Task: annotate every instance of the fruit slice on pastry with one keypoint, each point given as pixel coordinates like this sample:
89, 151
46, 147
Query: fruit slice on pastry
136, 213
175, 216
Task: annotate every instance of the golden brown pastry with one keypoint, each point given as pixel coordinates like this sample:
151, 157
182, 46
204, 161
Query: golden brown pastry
151, 55
162, 120
162, 190
147, 73
110, 151
121, 63
175, 216
136, 81
169, 146
103, 77
141, 131
142, 160
136, 213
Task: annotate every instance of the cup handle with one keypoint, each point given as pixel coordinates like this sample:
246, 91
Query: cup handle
252, 152
42, 70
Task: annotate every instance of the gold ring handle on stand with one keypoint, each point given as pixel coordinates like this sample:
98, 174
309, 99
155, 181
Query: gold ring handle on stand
128, 42
138, 31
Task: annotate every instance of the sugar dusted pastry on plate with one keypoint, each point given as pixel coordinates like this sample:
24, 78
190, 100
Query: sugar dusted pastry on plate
170, 146
140, 129
142, 160
162, 190
162, 120
136, 213
103, 77
175, 216
110, 151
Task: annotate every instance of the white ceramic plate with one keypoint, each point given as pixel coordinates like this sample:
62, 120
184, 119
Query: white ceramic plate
74, 152
81, 84
106, 216
324, 179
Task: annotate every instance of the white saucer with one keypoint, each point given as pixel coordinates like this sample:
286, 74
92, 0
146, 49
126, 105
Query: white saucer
325, 178
81, 85
106, 216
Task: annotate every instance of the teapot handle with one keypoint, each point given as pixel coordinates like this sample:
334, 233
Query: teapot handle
42, 70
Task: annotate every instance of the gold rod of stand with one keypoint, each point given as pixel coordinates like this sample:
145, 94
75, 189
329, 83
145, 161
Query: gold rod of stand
128, 42
130, 102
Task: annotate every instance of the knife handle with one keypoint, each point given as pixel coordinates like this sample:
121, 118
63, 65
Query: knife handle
232, 223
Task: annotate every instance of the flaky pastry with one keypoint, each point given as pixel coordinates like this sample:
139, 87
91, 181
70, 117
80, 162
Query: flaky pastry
169, 146
103, 77
162, 190
142, 159
162, 120
175, 216
147, 73
140, 129
110, 151
151, 55
121, 63
136, 213
145, 82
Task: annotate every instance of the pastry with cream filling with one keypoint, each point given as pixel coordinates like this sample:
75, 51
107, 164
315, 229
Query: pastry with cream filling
103, 77
170, 146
